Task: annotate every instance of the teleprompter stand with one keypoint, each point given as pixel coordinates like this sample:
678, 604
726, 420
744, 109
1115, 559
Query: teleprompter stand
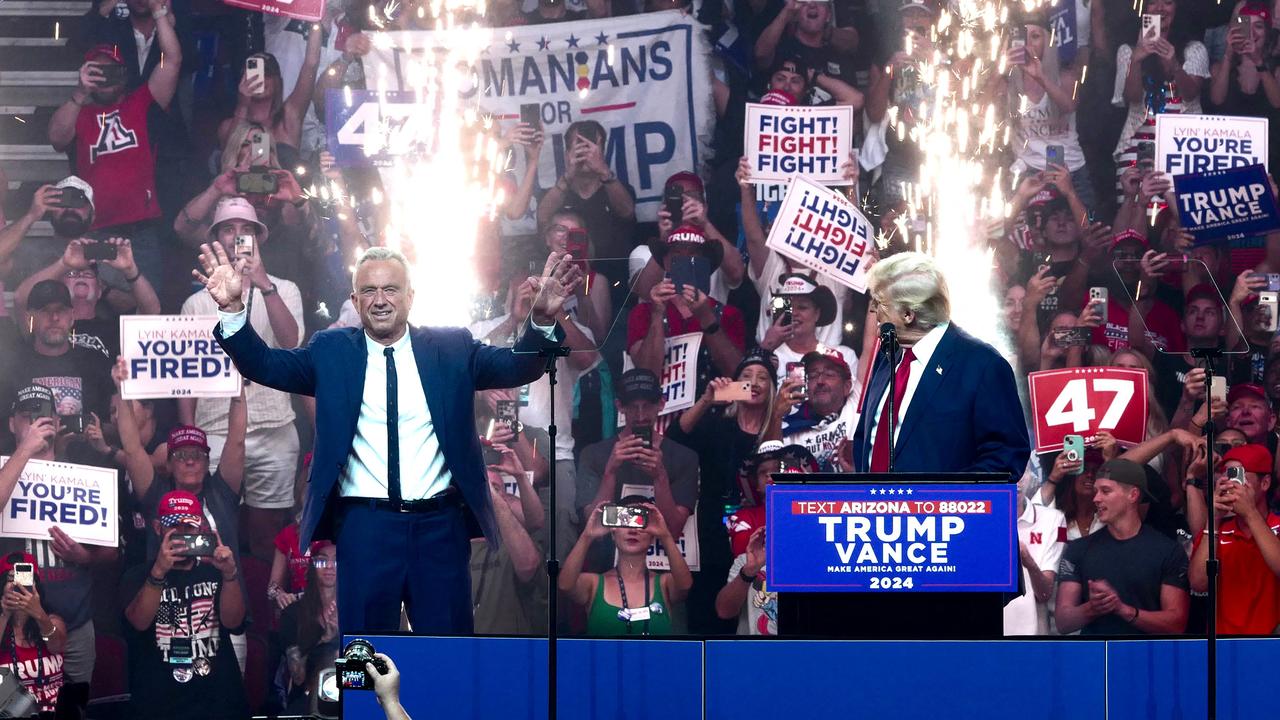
892, 615
551, 355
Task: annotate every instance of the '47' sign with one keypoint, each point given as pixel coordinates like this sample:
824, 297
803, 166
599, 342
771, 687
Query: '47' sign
1085, 401
370, 128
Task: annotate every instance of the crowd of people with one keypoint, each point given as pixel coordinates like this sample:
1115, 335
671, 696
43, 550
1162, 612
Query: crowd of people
1111, 543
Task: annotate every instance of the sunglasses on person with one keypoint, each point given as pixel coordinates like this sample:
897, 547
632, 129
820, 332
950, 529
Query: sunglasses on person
187, 454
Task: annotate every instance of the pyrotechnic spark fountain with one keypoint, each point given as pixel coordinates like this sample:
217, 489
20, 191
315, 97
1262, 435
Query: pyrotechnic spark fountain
962, 131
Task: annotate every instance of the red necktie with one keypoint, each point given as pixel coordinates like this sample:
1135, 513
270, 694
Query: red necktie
880, 453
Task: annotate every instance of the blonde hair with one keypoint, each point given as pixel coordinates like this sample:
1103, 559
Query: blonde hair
236, 139
913, 282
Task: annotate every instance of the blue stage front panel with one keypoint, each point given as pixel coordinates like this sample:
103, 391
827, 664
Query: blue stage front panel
1166, 678
506, 678
816, 680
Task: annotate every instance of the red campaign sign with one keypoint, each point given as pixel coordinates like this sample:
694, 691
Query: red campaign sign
309, 10
1084, 401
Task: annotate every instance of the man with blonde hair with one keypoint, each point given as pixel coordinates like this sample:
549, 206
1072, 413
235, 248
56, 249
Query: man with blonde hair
955, 399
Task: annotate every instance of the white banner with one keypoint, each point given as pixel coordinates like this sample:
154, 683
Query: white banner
175, 356
79, 499
821, 229
785, 141
1192, 144
688, 540
645, 78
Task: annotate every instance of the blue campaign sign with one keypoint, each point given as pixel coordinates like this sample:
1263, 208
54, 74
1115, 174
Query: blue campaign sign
1226, 204
918, 537
368, 128
1062, 21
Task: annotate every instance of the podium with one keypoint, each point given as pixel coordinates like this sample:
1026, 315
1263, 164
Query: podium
902, 556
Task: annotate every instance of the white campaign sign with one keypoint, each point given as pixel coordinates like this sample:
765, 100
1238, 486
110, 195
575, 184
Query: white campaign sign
821, 229
679, 372
1192, 144
784, 141
79, 499
645, 78
175, 356
688, 540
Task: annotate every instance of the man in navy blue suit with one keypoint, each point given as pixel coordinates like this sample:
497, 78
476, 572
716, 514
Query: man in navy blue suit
956, 399
397, 477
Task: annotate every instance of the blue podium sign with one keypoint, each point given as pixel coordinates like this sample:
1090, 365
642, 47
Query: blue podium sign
918, 537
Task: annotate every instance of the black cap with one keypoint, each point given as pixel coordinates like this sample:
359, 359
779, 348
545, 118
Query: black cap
639, 384
763, 358
46, 293
35, 399
1127, 472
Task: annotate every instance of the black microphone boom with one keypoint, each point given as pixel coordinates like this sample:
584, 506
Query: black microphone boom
888, 330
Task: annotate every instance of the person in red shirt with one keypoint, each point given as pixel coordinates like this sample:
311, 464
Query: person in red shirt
1248, 547
106, 127
1140, 273
686, 310
31, 639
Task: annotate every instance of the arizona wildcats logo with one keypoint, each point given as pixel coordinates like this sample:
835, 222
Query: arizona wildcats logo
113, 136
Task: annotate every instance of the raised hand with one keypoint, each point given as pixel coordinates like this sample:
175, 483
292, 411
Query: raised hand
223, 280
559, 281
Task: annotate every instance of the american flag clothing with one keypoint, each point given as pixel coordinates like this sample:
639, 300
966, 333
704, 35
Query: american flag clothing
189, 611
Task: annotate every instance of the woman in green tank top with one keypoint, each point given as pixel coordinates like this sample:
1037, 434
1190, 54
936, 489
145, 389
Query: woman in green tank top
630, 599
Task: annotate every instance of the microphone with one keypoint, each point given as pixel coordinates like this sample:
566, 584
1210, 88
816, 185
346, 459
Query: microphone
888, 333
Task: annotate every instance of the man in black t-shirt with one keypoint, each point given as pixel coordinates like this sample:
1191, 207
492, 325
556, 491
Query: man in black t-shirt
1126, 579
177, 613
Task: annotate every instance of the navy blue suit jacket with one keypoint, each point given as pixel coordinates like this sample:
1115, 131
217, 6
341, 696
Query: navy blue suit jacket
452, 366
965, 415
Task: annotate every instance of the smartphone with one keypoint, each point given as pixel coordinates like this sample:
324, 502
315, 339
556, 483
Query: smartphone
1266, 319
1071, 337
1150, 27
260, 150
113, 74
531, 114
244, 246
673, 201
691, 272
1273, 282
24, 574
99, 251
1218, 389
1098, 295
645, 433
72, 423
257, 182
256, 71
508, 412
1235, 474
1018, 44
1073, 449
736, 391
624, 516
795, 371
577, 245
1146, 155
1055, 156
71, 197
781, 306
198, 544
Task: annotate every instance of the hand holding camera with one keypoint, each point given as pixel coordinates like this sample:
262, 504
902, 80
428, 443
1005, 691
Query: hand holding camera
91, 77
21, 598
45, 199
73, 257
656, 525
1065, 466
170, 553
661, 294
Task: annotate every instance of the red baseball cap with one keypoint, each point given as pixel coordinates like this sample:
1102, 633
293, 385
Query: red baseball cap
8, 561
104, 50
1239, 391
179, 507
1254, 458
187, 436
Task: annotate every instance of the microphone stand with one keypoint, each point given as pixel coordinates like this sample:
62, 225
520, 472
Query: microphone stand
551, 355
889, 344
1211, 563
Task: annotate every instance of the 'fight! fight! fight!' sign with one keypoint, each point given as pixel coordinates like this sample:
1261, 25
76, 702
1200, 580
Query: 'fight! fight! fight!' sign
821, 229
918, 537
784, 141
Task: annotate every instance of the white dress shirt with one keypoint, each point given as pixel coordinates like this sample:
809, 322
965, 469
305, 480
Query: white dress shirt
923, 351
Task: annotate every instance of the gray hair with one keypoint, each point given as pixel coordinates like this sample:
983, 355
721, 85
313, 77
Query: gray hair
913, 282
379, 253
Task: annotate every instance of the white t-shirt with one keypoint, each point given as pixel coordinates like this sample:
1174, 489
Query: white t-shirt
1038, 128
1040, 529
767, 281
285, 39
760, 612
1195, 63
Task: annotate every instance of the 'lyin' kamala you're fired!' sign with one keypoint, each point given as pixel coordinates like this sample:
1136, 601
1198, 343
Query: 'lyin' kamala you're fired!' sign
919, 537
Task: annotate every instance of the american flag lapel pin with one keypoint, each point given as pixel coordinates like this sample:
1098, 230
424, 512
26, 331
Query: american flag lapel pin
937, 369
